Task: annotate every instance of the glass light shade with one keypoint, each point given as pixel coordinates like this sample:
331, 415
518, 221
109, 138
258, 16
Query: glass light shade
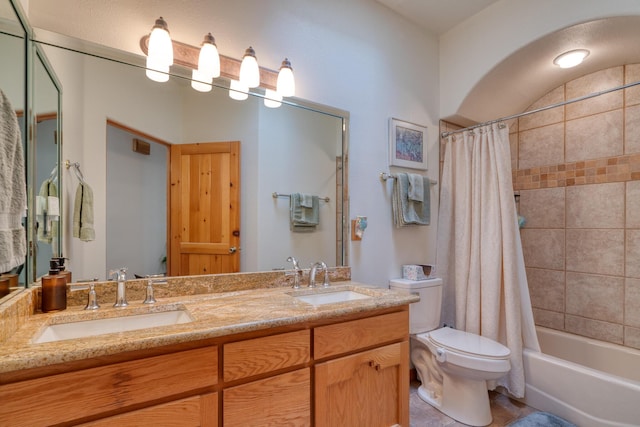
156, 71
160, 46
286, 83
200, 82
272, 99
249, 70
238, 91
571, 58
209, 58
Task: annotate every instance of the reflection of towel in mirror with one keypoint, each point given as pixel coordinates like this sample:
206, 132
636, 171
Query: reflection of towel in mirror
406, 211
13, 189
47, 211
304, 212
83, 214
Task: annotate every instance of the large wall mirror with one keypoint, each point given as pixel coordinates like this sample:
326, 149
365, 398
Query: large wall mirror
13, 84
119, 128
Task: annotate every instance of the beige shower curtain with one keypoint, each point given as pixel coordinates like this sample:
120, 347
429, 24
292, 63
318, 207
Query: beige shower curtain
479, 250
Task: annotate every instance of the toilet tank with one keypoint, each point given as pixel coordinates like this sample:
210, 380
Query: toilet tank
424, 315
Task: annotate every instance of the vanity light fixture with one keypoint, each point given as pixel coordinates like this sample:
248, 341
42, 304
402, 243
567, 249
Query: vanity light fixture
238, 90
272, 98
160, 52
209, 58
571, 58
249, 70
286, 84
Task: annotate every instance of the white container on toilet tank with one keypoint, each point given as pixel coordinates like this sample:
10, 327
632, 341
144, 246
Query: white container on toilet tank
424, 315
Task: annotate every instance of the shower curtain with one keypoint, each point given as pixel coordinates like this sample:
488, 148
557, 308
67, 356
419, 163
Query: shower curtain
479, 251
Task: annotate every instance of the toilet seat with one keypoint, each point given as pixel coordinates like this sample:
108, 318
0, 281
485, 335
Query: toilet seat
468, 343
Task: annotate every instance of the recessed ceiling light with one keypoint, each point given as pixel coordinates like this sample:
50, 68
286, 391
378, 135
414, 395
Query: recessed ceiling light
571, 58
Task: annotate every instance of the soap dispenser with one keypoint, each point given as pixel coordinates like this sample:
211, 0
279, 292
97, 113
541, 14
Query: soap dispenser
54, 289
62, 269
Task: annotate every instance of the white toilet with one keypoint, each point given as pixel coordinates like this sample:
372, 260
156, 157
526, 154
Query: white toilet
452, 365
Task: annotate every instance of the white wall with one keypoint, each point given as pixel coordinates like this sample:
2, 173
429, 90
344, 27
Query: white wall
355, 55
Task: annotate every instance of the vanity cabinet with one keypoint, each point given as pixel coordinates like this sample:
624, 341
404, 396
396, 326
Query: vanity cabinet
366, 388
346, 371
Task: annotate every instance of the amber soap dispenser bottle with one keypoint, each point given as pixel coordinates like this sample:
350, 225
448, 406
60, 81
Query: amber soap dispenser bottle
54, 289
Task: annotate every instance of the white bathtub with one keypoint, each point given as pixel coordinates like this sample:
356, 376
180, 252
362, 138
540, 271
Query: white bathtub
585, 381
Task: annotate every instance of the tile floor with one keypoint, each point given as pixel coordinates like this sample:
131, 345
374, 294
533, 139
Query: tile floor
503, 409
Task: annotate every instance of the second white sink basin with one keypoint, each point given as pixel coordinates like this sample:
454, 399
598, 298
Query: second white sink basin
88, 328
331, 297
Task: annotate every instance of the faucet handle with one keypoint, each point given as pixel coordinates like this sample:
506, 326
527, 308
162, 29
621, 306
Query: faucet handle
121, 273
92, 302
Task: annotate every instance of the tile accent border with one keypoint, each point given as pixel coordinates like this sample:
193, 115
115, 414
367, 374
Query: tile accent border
597, 171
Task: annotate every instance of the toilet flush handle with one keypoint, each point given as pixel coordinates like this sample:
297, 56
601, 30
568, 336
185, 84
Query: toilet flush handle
441, 355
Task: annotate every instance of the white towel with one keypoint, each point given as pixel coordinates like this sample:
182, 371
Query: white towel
47, 211
13, 189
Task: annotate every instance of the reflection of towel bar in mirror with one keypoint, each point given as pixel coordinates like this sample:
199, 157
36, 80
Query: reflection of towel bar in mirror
76, 169
275, 195
385, 176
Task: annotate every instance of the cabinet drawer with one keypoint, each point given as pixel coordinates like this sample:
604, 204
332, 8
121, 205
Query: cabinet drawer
70, 396
196, 411
332, 340
256, 356
282, 400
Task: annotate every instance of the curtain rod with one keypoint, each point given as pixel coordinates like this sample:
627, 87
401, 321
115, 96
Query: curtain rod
537, 110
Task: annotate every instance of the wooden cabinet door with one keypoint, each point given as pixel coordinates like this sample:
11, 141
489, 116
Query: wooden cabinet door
205, 208
370, 389
281, 400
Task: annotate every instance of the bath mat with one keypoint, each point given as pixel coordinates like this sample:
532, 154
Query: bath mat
541, 419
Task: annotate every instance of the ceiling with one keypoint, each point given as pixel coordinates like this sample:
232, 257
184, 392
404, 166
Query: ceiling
437, 16
528, 73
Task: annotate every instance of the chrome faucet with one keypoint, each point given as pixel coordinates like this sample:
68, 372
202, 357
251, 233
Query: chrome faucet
314, 271
297, 273
151, 279
121, 277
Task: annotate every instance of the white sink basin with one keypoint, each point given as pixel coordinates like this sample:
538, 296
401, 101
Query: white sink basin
331, 297
88, 328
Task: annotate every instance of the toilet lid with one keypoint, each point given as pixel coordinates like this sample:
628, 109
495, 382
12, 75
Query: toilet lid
467, 342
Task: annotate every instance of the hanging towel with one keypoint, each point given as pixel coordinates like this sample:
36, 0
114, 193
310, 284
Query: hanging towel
83, 214
416, 187
408, 212
304, 212
47, 211
13, 189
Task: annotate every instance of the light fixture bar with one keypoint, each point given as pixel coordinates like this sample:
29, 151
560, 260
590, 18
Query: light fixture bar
187, 56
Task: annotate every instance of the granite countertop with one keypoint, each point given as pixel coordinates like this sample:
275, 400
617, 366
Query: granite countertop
214, 315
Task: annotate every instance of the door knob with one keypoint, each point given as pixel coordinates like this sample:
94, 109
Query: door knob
232, 250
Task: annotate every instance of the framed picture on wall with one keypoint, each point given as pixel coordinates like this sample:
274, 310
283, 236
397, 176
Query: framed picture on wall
407, 145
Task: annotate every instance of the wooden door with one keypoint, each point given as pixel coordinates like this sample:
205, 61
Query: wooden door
205, 208
370, 389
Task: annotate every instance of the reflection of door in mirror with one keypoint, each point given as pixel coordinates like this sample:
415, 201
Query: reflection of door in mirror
205, 208
136, 220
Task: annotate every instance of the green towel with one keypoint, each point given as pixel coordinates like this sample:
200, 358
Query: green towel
406, 211
83, 214
304, 212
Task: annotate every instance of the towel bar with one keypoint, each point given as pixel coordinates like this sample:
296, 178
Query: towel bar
385, 176
275, 195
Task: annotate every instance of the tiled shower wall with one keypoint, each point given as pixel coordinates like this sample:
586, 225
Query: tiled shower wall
577, 170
